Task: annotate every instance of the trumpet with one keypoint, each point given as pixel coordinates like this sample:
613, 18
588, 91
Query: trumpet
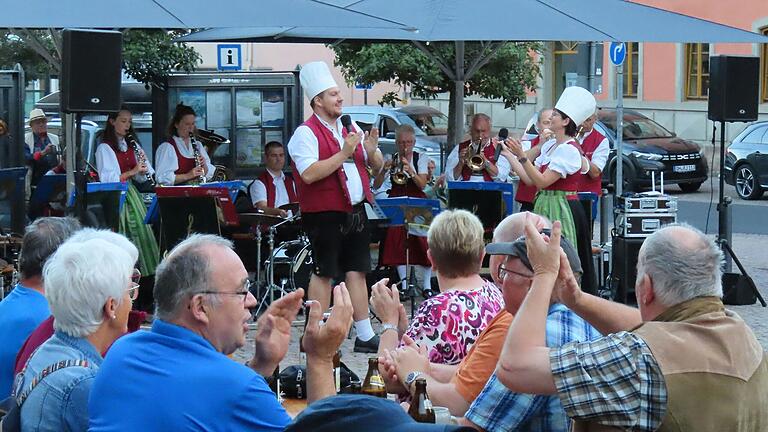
579, 132
398, 175
476, 160
141, 157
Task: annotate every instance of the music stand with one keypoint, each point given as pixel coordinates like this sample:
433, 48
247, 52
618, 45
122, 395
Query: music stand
415, 214
103, 204
491, 202
50, 189
12, 181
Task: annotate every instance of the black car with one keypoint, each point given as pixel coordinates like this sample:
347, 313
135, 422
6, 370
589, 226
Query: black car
648, 147
746, 162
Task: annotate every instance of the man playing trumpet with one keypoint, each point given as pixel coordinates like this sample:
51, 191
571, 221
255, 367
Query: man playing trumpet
477, 158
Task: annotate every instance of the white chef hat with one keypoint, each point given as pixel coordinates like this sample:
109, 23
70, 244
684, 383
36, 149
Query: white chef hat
577, 103
316, 78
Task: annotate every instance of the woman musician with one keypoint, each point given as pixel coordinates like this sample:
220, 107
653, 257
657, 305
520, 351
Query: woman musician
557, 174
120, 158
182, 159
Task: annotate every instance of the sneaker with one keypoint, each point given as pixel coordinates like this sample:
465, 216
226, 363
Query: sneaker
369, 346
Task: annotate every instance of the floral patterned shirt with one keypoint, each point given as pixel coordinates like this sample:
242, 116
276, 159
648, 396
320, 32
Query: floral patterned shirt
449, 323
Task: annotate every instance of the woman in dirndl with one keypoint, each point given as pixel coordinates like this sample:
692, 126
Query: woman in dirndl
557, 173
118, 161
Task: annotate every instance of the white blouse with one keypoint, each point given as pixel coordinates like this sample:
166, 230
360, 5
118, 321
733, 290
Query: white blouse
168, 163
109, 168
563, 159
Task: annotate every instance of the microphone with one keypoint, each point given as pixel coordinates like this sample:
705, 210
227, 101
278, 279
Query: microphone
346, 121
503, 134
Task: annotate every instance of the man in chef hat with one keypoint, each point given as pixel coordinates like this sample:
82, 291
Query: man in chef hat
332, 161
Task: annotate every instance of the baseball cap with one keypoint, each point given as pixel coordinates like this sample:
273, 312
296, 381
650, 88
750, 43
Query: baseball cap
362, 412
518, 249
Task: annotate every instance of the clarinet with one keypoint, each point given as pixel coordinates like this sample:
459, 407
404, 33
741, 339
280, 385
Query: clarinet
141, 158
197, 156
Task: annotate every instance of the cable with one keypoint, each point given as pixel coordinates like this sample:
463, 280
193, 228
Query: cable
711, 177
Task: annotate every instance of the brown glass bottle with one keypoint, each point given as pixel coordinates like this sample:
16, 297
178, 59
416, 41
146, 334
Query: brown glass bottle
421, 407
274, 381
337, 371
373, 385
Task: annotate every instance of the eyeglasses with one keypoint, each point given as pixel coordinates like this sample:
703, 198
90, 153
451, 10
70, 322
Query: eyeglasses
503, 272
133, 288
245, 291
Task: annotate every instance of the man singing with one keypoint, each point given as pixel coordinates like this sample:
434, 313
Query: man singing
333, 185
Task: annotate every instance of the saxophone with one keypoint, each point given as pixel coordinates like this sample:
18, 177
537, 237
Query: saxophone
141, 157
198, 157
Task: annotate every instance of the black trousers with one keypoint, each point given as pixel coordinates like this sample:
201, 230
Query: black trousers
584, 239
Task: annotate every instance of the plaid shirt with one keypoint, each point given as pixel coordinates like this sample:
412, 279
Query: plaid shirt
499, 409
614, 381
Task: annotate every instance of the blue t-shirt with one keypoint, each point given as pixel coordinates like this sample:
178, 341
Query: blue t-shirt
170, 378
20, 314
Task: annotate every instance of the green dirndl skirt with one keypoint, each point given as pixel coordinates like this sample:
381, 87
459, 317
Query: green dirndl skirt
553, 204
132, 226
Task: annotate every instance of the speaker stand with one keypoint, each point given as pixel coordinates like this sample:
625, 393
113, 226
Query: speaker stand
724, 231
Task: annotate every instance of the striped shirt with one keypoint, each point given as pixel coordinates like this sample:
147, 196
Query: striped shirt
614, 381
499, 409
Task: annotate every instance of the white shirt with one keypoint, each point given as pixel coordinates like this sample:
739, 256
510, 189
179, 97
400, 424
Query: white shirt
109, 168
563, 159
259, 190
304, 150
453, 160
600, 155
168, 163
421, 169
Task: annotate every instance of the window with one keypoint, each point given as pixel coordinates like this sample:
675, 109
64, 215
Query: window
764, 68
755, 136
631, 70
696, 71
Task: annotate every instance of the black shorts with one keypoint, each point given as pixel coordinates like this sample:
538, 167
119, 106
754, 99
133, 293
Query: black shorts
340, 241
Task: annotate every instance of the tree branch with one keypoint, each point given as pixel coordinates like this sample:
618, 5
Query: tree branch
37, 46
432, 56
482, 59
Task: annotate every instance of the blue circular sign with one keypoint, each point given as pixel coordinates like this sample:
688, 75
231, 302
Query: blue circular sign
617, 52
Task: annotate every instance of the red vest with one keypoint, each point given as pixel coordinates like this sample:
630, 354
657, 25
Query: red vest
330, 193
268, 181
527, 193
126, 159
185, 164
570, 183
588, 147
409, 189
489, 152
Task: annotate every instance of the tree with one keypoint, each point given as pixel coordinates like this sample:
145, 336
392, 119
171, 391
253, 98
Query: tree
503, 70
148, 54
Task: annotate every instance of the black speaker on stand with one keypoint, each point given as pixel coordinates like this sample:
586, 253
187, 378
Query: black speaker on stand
91, 76
733, 97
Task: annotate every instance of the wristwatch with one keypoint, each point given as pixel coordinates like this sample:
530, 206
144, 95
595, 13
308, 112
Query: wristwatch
387, 326
522, 160
411, 378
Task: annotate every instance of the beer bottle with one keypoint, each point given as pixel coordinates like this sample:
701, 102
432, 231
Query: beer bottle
274, 381
337, 370
356, 387
302, 353
373, 385
421, 407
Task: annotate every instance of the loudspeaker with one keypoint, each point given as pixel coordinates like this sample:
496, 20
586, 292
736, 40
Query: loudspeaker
624, 264
91, 70
733, 88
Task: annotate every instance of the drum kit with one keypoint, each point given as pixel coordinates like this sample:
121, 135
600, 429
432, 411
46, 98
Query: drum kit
10, 246
289, 263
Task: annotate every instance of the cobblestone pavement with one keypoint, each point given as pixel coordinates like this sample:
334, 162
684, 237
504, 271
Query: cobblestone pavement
752, 251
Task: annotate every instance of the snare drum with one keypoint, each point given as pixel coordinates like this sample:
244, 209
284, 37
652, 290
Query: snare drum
292, 265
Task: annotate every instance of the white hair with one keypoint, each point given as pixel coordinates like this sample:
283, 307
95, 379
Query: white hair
116, 239
80, 278
681, 268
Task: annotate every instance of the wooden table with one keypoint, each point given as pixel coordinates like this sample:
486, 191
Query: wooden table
294, 406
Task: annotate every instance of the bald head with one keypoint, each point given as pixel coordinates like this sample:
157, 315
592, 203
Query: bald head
513, 226
683, 264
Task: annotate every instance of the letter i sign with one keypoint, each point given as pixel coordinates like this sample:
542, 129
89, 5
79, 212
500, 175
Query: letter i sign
229, 57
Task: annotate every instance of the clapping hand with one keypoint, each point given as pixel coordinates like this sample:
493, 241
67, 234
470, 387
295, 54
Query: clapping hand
273, 332
543, 253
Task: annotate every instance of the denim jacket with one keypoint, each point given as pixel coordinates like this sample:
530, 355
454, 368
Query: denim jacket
60, 401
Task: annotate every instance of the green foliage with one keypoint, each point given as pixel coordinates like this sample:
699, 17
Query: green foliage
150, 55
14, 50
508, 75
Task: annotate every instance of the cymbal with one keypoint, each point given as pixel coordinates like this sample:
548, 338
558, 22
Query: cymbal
293, 207
260, 219
10, 240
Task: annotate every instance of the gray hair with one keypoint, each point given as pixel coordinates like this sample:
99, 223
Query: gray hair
185, 272
404, 128
41, 239
683, 264
512, 227
80, 278
116, 239
480, 116
538, 117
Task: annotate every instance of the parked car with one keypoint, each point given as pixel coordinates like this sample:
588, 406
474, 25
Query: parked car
430, 126
650, 148
746, 162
